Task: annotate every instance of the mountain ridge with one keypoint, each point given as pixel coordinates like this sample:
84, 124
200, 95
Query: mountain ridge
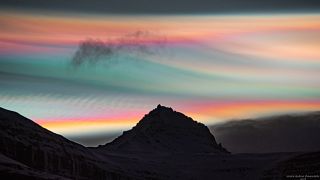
282, 133
166, 130
39, 149
28, 151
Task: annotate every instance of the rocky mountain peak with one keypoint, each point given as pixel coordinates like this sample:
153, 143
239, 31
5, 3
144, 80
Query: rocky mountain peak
165, 130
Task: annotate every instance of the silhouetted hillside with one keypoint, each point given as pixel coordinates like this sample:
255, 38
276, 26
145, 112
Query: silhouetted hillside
164, 145
285, 133
165, 130
40, 150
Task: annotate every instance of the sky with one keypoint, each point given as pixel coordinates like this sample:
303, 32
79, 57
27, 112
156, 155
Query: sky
84, 69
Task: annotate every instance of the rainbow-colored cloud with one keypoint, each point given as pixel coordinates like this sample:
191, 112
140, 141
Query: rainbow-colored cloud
211, 67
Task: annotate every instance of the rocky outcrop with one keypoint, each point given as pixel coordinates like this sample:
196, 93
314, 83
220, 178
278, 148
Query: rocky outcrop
165, 130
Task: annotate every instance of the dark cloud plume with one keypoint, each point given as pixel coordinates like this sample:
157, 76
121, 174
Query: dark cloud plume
138, 43
288, 133
92, 50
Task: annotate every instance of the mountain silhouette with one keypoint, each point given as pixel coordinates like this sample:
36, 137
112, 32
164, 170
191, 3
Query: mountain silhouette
164, 145
165, 130
281, 133
27, 149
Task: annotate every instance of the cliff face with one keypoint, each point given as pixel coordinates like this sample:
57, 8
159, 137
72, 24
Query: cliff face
165, 130
28, 143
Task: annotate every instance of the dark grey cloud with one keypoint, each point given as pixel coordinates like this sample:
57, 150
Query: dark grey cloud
164, 6
138, 43
288, 133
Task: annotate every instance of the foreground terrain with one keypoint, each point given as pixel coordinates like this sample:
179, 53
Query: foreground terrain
165, 144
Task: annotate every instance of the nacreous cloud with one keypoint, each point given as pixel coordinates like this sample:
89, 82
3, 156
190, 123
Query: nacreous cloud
138, 43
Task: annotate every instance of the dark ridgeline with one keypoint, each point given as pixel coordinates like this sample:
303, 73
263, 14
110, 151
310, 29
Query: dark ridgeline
165, 130
28, 150
283, 133
165, 144
31, 151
